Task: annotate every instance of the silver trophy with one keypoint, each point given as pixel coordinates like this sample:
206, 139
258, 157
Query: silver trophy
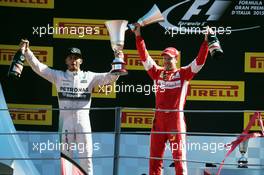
153, 16
117, 29
242, 161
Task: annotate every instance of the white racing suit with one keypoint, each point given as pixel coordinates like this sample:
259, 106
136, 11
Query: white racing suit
74, 92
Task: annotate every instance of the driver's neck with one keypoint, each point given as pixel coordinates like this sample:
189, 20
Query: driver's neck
172, 69
74, 70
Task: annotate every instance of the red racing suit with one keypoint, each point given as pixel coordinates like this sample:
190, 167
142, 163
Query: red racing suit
170, 94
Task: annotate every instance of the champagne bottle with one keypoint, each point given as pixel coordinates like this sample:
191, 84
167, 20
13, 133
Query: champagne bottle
17, 64
214, 46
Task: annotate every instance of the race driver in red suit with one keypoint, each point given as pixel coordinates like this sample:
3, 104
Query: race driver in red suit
172, 87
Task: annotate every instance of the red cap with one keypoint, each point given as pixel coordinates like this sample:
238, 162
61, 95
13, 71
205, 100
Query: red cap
171, 51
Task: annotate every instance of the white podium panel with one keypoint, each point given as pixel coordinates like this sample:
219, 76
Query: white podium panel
213, 171
191, 171
234, 171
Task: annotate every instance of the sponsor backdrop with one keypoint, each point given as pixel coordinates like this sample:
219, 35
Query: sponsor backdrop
232, 82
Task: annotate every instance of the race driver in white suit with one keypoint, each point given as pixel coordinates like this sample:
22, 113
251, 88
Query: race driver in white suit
74, 88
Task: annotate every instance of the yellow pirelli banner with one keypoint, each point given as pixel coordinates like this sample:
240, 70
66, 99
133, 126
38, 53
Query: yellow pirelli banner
132, 60
254, 62
106, 91
28, 3
216, 90
247, 118
137, 118
80, 29
31, 114
44, 54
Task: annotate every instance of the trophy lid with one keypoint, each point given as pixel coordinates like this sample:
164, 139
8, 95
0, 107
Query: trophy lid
154, 15
243, 146
117, 29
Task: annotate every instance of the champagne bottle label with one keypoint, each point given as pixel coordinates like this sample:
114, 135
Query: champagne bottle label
17, 64
214, 46
17, 68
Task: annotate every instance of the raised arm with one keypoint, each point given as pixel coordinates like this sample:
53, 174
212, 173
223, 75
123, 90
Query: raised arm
199, 61
149, 64
196, 65
38, 67
103, 78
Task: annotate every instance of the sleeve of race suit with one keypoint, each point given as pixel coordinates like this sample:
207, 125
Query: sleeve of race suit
149, 64
40, 68
103, 78
196, 65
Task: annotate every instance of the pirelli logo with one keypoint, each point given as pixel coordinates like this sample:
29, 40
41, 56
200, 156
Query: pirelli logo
247, 118
254, 62
29, 115
216, 90
132, 60
137, 118
80, 29
96, 93
28, 3
44, 54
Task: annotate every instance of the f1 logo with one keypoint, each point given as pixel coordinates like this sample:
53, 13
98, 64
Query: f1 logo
214, 12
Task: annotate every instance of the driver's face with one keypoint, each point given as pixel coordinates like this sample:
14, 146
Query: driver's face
73, 62
169, 62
